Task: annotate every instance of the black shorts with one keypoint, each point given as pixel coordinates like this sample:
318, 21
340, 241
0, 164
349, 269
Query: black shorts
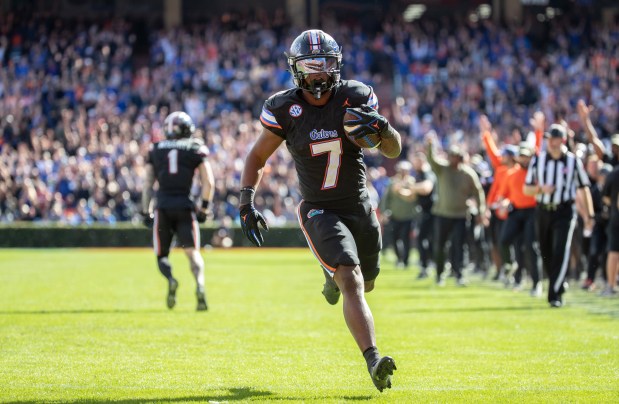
343, 237
613, 238
179, 222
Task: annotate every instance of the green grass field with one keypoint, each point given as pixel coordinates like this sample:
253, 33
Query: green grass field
91, 326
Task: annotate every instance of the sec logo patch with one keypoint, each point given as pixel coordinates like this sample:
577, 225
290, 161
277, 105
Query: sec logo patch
295, 111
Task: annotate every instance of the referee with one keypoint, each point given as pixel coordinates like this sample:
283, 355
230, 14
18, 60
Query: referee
554, 177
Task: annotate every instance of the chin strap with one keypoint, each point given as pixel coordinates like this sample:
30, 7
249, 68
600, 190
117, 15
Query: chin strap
318, 87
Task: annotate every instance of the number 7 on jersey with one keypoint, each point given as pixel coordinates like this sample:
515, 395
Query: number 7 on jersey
334, 149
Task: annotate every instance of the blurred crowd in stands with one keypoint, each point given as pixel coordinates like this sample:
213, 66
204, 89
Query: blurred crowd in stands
79, 105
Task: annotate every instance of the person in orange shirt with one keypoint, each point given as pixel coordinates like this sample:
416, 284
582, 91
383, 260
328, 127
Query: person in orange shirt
501, 162
519, 227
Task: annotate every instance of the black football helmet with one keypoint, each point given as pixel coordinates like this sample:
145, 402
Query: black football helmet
312, 52
178, 125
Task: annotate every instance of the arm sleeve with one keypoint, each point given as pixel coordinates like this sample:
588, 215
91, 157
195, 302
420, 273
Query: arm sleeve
269, 121
493, 152
436, 167
539, 138
201, 152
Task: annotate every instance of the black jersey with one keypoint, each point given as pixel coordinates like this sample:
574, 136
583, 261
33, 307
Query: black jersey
330, 168
175, 162
611, 190
425, 201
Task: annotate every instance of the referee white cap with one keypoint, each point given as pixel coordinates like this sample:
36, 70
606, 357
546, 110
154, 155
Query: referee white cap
556, 130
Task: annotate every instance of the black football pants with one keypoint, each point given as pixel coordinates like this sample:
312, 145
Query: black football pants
401, 233
424, 238
598, 250
454, 230
555, 229
519, 231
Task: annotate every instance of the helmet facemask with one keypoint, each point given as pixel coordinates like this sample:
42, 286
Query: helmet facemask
316, 73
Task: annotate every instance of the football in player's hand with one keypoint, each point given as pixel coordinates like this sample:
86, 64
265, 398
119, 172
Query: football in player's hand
358, 132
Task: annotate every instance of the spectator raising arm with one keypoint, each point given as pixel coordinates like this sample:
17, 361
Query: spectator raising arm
436, 165
584, 112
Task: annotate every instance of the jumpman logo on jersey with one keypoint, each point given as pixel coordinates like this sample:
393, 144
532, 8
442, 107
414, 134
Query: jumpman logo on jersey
346, 103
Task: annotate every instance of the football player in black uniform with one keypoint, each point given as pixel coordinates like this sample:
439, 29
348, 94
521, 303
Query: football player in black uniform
335, 215
172, 163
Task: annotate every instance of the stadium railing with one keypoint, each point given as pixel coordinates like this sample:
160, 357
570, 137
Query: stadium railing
34, 235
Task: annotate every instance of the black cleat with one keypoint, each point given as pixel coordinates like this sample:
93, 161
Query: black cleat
381, 372
172, 286
202, 306
330, 290
556, 304
423, 274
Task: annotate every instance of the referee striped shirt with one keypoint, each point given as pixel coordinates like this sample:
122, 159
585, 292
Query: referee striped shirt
566, 173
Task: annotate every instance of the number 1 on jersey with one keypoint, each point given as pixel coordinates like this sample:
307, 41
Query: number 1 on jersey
334, 149
173, 161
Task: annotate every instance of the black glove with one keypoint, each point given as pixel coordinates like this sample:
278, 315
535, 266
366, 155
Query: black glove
250, 217
370, 121
147, 219
201, 216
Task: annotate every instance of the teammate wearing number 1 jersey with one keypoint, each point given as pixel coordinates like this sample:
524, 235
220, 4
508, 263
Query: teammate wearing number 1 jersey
172, 163
335, 215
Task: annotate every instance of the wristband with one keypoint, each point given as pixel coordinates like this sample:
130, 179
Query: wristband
247, 195
205, 204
